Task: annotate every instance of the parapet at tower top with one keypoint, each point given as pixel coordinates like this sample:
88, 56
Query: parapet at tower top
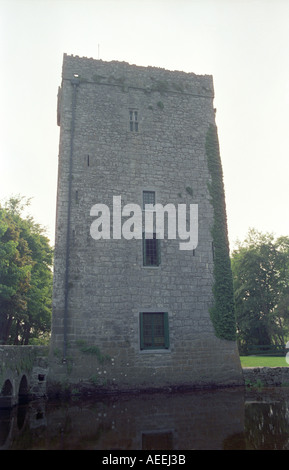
126, 75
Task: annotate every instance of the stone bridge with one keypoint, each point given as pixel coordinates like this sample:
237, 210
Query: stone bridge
23, 372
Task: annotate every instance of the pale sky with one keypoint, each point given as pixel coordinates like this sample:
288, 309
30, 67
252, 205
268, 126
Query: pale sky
244, 44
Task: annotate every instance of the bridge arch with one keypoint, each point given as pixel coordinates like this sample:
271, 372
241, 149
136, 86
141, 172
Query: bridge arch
7, 389
23, 391
7, 394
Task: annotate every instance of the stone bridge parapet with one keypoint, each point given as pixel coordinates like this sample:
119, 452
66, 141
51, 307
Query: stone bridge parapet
23, 372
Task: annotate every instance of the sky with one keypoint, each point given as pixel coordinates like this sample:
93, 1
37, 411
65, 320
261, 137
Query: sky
244, 44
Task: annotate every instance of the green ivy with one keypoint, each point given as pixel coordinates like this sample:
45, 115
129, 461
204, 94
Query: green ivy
92, 350
223, 311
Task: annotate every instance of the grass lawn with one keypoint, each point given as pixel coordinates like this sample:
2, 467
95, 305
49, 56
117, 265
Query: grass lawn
263, 361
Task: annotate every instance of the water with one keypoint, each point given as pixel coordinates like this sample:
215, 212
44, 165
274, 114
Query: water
223, 419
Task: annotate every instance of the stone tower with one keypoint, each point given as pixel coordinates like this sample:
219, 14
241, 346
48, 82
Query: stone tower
140, 312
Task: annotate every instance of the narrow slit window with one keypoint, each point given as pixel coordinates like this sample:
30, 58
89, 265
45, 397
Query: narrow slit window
151, 250
133, 121
148, 197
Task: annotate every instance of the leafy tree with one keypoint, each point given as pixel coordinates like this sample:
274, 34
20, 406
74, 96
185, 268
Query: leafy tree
25, 276
260, 267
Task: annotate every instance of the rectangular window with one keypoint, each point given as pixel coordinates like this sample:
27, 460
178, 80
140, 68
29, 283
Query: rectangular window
148, 197
151, 250
133, 120
154, 330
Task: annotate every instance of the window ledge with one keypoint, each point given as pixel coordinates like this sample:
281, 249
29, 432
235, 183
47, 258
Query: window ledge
155, 351
151, 267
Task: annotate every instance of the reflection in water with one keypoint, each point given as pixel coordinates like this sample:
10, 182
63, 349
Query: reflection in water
5, 426
223, 419
11, 420
267, 426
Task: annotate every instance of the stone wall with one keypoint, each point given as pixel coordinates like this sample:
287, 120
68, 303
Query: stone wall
101, 286
266, 376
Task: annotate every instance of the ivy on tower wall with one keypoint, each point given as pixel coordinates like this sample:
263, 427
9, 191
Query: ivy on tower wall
223, 311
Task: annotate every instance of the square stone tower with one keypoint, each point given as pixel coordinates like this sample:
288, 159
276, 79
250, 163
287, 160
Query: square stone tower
134, 308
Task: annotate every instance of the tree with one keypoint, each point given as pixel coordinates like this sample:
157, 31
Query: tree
25, 276
260, 267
